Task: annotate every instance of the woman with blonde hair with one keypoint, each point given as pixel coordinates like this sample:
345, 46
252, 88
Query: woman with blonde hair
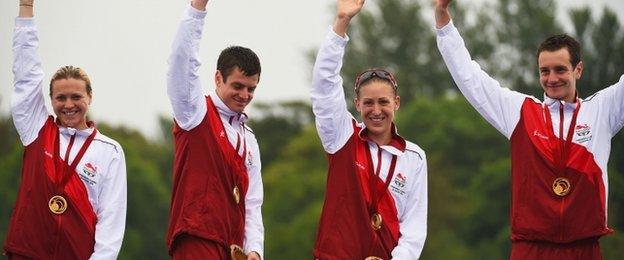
71, 202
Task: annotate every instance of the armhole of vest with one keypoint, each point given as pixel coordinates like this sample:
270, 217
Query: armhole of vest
40, 132
521, 114
354, 127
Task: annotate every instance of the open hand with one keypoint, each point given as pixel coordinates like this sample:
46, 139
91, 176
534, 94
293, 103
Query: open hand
26, 2
442, 3
442, 15
349, 8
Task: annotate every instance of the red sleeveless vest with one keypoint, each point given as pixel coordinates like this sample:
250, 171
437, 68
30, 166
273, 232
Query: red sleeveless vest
206, 169
345, 230
35, 231
537, 213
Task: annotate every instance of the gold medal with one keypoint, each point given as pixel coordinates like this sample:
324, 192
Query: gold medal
373, 258
236, 194
376, 221
57, 204
561, 186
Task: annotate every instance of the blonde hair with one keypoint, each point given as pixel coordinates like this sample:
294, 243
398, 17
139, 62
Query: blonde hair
71, 72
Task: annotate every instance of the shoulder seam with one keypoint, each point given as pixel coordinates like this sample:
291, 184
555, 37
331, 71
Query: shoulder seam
590, 97
414, 148
249, 128
107, 142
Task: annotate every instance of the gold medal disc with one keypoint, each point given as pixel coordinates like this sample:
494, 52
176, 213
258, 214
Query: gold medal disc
236, 194
373, 258
57, 204
561, 186
376, 221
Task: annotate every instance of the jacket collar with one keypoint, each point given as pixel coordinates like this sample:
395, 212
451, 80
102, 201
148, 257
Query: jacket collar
225, 111
552, 103
396, 146
69, 131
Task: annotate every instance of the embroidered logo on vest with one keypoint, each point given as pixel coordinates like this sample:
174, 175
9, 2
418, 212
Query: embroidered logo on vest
540, 135
359, 165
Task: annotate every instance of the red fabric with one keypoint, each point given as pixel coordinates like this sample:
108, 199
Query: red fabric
345, 230
206, 169
36, 232
537, 213
584, 249
193, 248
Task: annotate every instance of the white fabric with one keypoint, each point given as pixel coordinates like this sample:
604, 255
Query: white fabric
102, 168
189, 108
602, 113
334, 126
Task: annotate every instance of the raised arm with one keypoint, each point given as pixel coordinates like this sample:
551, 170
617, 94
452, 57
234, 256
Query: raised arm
333, 120
183, 84
27, 103
442, 15
499, 106
346, 10
613, 97
26, 8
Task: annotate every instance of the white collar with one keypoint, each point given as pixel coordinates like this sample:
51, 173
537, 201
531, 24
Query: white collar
555, 103
225, 110
69, 131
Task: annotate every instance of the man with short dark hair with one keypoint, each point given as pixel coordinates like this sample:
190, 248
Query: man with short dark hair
559, 147
217, 188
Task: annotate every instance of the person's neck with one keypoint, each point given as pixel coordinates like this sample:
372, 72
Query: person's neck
381, 139
78, 127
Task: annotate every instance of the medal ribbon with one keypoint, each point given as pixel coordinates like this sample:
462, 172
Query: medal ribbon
564, 145
238, 139
373, 176
68, 169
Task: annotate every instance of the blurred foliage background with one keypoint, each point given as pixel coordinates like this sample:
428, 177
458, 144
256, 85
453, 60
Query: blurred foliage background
468, 160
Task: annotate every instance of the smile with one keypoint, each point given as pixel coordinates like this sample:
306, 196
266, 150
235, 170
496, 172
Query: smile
70, 113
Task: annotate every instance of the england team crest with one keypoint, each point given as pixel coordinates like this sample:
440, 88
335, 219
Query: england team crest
89, 170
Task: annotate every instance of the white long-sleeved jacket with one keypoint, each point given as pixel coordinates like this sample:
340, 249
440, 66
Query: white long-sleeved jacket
334, 126
103, 167
189, 108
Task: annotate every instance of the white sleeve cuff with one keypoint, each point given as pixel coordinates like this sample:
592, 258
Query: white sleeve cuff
195, 13
446, 30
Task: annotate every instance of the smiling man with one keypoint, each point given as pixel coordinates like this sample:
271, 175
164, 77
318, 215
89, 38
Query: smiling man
217, 186
559, 147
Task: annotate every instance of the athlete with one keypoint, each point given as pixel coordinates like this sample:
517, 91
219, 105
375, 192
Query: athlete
376, 197
559, 146
71, 202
